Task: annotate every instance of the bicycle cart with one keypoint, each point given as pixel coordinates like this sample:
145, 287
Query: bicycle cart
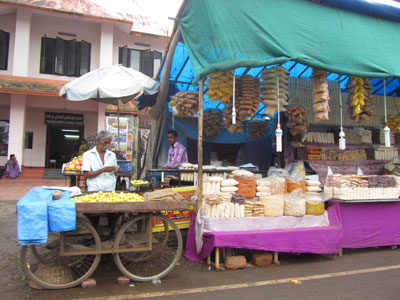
146, 247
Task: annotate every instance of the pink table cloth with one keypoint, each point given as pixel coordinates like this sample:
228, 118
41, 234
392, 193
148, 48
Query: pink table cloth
322, 240
368, 224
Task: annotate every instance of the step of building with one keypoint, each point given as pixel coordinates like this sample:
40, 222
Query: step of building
29, 173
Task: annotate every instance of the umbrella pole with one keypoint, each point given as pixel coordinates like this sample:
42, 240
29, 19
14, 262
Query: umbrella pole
200, 148
119, 148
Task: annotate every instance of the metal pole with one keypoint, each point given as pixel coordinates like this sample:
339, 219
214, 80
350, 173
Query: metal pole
200, 148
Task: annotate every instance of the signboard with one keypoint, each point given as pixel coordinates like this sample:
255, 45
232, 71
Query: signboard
52, 118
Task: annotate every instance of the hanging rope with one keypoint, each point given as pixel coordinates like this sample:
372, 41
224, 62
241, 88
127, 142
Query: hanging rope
342, 140
278, 131
386, 130
233, 99
384, 98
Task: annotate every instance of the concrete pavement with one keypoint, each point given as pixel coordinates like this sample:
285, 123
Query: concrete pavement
372, 273
15, 189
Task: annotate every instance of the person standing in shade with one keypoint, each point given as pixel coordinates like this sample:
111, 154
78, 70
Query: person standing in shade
12, 167
176, 153
82, 147
99, 166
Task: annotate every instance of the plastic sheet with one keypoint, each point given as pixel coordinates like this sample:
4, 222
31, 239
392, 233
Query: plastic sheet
61, 214
38, 213
32, 220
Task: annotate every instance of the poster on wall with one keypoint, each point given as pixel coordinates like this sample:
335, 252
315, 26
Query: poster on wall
119, 143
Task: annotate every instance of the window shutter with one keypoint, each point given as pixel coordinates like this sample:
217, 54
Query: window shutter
4, 43
123, 56
157, 61
71, 58
47, 55
60, 58
146, 62
134, 56
85, 58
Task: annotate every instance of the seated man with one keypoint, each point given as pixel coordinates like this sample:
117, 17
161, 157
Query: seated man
176, 155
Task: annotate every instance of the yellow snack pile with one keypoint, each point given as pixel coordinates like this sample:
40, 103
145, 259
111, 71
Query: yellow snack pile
220, 86
109, 197
394, 123
358, 96
138, 182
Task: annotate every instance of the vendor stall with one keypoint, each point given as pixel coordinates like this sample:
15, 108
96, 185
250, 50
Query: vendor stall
237, 70
61, 248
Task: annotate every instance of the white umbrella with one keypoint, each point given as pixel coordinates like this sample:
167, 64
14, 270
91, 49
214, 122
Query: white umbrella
109, 85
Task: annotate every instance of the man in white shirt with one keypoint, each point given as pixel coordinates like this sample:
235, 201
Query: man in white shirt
99, 166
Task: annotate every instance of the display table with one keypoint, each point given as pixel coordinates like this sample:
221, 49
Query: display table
368, 167
368, 224
177, 172
322, 240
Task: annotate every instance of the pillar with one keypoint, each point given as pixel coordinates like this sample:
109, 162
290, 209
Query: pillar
101, 117
106, 60
16, 137
106, 45
22, 41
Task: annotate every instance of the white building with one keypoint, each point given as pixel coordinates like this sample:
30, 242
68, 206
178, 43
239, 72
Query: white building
43, 45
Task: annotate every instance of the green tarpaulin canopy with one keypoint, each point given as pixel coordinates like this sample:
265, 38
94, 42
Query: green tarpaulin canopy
222, 35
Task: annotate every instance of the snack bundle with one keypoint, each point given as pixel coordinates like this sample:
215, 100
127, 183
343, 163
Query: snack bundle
246, 183
220, 86
269, 89
321, 95
257, 129
212, 184
263, 187
285, 192
212, 123
297, 119
247, 95
186, 103
253, 209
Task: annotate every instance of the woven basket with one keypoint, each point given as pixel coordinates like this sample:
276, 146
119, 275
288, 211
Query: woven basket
52, 274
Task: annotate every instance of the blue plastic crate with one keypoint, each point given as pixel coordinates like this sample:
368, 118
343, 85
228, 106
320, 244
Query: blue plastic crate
124, 165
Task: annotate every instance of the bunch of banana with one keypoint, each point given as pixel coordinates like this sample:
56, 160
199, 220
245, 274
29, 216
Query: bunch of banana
360, 99
109, 197
357, 97
220, 86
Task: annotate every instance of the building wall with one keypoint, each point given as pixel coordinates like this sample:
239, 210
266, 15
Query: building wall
37, 106
35, 157
4, 115
7, 23
122, 38
47, 24
51, 26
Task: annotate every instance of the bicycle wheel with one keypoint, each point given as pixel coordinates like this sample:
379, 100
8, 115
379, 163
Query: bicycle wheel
148, 264
45, 267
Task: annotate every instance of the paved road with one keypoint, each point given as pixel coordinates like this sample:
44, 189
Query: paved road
359, 274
